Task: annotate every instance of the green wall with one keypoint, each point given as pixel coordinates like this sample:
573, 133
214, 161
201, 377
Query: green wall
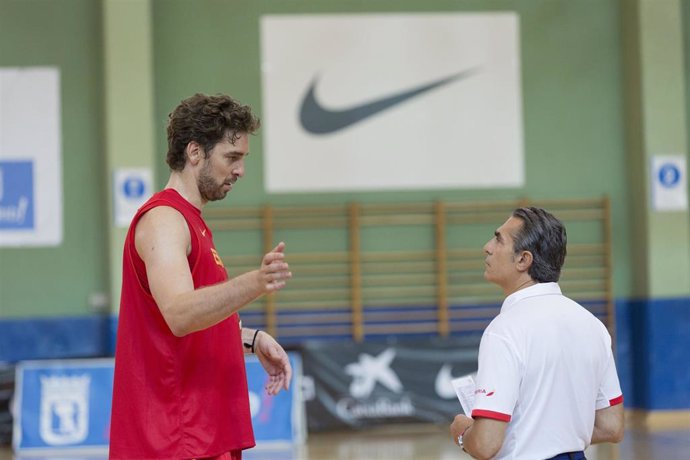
686, 54
59, 280
573, 93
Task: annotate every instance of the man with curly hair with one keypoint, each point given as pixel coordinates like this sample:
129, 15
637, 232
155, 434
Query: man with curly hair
180, 388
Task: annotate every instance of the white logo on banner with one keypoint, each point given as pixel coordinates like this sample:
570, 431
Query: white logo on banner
64, 417
366, 373
443, 384
370, 370
391, 101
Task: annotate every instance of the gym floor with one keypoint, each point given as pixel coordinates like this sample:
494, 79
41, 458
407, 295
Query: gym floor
432, 442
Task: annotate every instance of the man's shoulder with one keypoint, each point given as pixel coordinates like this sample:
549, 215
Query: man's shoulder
160, 222
161, 213
503, 324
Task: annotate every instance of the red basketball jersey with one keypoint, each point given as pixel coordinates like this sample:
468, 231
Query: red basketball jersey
176, 397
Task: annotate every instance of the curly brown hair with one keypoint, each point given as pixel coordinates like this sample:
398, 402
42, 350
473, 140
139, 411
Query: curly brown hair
206, 120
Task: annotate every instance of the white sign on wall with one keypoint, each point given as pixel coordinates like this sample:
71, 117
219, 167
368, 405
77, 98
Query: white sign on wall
669, 183
30, 157
132, 187
391, 101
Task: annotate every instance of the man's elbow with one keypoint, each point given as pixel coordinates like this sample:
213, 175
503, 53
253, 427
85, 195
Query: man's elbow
613, 432
483, 454
483, 451
178, 331
617, 434
610, 423
178, 326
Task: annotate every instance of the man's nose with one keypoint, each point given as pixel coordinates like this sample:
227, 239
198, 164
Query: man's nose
239, 168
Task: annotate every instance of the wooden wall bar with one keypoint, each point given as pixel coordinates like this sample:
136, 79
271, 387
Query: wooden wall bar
402, 268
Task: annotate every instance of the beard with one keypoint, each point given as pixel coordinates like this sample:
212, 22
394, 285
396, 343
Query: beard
209, 189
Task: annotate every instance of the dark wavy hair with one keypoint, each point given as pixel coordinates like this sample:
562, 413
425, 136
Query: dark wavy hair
544, 236
206, 120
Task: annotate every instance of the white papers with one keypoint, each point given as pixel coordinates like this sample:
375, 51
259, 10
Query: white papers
464, 387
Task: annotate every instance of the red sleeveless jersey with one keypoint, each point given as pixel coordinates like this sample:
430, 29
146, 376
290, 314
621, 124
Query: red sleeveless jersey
176, 397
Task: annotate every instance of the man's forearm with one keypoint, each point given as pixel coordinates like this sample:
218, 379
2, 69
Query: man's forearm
249, 339
204, 307
609, 424
484, 438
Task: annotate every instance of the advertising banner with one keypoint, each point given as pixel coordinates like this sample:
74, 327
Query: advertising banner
368, 102
6, 392
62, 407
30, 157
377, 383
278, 419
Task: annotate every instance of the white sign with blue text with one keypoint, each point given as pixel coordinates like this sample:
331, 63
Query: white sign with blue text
30, 157
669, 183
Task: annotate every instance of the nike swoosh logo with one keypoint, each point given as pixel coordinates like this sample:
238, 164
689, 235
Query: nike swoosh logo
443, 385
316, 119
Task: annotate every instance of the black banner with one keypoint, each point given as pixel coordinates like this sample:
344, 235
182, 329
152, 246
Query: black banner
6, 392
377, 383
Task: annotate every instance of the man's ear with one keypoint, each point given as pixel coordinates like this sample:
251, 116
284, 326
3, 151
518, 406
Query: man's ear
194, 153
524, 261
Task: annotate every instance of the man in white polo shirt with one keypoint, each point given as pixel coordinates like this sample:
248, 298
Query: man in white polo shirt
547, 385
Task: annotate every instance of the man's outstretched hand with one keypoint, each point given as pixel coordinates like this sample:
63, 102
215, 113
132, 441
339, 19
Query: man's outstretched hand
274, 271
274, 361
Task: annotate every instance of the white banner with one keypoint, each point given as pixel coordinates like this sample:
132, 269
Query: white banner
30, 157
391, 101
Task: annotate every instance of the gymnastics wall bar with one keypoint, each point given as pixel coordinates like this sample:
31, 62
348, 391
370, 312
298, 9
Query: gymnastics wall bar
363, 269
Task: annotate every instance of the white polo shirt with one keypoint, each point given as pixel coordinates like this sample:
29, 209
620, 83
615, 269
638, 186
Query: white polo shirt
545, 366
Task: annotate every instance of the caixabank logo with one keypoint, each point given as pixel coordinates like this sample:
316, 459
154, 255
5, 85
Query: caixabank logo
368, 373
